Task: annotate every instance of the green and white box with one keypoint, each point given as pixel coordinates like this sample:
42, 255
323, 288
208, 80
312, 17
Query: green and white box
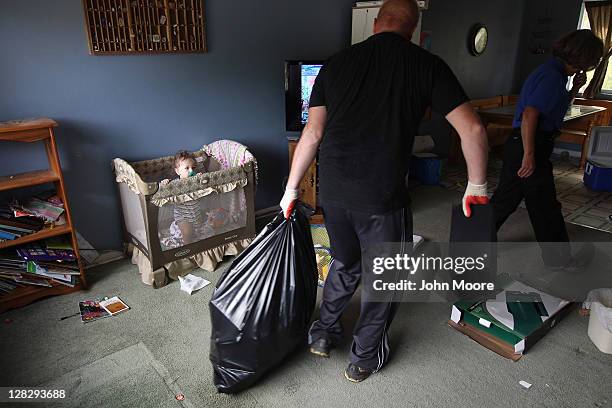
512, 322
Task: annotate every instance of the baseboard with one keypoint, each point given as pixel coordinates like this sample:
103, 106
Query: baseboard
572, 153
106, 257
267, 212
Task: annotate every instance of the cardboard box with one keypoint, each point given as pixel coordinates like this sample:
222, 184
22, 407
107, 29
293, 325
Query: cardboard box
511, 323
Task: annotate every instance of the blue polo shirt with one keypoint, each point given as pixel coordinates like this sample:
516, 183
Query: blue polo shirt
546, 90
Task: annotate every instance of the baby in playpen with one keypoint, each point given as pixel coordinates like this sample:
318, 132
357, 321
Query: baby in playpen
188, 215
194, 220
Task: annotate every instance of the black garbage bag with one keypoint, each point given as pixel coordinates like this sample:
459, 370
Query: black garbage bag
263, 303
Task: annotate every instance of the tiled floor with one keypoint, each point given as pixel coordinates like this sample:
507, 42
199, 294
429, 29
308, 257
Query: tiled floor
580, 205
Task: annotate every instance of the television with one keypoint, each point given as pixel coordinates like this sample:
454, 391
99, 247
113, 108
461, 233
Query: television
299, 80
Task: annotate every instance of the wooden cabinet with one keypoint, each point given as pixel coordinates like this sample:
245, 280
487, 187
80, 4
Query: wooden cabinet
309, 184
38, 130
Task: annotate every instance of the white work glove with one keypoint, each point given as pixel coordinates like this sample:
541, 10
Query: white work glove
288, 201
475, 194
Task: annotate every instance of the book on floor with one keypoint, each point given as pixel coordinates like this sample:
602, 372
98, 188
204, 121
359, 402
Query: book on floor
91, 310
114, 305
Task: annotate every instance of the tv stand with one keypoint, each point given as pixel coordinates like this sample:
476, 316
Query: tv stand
309, 184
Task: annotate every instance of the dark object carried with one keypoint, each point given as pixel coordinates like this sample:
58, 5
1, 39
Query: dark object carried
475, 237
263, 303
480, 227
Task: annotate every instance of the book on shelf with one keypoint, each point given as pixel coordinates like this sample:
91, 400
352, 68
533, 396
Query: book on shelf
9, 236
7, 284
46, 206
30, 280
6, 273
35, 264
37, 252
64, 279
58, 243
18, 219
42, 209
59, 268
11, 262
26, 224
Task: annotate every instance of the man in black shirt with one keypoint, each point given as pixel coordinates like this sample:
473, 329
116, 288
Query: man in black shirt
365, 109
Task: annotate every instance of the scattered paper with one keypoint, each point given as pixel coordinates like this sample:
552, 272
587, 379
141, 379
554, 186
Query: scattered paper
525, 384
190, 283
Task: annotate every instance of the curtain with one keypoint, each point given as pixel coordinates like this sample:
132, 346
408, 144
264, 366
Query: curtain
600, 18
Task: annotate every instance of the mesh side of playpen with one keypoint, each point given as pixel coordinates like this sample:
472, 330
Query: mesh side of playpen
196, 220
132, 214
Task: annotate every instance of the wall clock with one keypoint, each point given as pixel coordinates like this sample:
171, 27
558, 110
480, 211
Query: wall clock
478, 39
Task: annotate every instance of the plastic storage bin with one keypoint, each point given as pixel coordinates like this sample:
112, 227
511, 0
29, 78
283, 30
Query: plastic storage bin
426, 167
600, 320
598, 168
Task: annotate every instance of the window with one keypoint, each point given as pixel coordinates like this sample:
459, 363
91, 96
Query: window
607, 85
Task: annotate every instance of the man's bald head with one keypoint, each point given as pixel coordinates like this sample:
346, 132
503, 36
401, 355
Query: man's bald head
400, 16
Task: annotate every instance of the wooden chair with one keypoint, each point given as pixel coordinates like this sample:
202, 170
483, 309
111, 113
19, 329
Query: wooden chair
510, 100
487, 103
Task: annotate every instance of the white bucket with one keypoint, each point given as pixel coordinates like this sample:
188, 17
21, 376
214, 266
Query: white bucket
600, 321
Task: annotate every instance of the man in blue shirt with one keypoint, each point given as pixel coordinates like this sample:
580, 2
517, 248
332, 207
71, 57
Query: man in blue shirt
527, 170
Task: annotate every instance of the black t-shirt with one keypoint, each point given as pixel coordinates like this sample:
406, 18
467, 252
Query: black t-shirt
376, 93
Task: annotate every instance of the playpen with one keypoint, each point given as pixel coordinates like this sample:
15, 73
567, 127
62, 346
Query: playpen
219, 199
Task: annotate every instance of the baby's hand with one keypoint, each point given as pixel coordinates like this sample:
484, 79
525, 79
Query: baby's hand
164, 182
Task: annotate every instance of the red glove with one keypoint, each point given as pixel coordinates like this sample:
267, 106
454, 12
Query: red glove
288, 201
475, 194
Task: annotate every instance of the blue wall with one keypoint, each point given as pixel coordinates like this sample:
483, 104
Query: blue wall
450, 22
139, 107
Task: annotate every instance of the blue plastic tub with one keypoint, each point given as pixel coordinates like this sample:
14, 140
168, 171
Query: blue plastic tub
598, 168
426, 168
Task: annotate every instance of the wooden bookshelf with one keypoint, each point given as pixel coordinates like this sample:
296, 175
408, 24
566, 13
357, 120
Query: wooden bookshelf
30, 178
25, 295
29, 131
37, 236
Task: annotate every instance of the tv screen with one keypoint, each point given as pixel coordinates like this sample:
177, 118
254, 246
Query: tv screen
299, 80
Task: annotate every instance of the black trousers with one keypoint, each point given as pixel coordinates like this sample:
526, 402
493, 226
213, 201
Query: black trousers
539, 193
350, 233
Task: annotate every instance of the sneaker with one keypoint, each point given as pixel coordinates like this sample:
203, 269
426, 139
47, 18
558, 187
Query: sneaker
321, 347
356, 374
